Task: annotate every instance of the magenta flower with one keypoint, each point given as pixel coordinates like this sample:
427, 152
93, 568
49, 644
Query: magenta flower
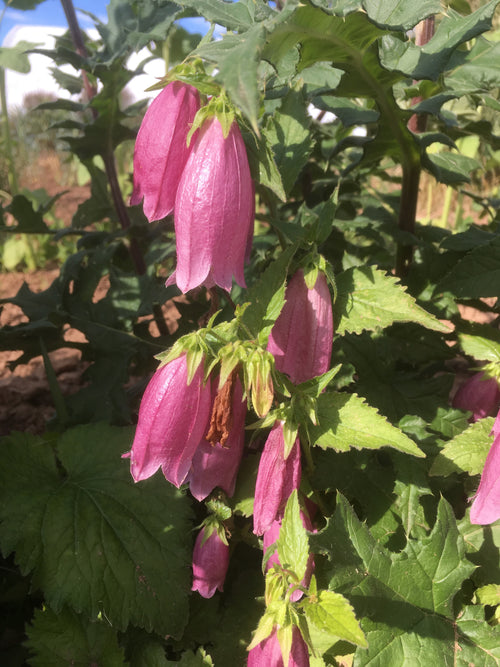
214, 211
215, 464
277, 477
301, 338
161, 149
479, 395
486, 505
173, 418
268, 652
210, 563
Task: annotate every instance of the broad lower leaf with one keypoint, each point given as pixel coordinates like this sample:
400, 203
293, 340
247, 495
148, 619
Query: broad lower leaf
67, 638
400, 15
94, 540
478, 642
368, 299
345, 421
466, 452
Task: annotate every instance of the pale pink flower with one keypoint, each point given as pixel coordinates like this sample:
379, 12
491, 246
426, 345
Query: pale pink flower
161, 149
210, 563
486, 505
214, 211
479, 395
268, 652
302, 336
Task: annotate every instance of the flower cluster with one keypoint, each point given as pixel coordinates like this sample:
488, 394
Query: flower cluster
205, 182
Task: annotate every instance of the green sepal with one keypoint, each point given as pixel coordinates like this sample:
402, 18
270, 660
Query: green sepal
258, 380
285, 636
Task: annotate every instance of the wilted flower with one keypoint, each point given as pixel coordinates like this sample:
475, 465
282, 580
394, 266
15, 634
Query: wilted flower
301, 338
216, 463
214, 210
480, 395
173, 418
161, 149
486, 506
268, 652
277, 477
210, 562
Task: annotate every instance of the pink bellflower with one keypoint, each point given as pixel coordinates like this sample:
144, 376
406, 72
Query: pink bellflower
480, 395
210, 562
214, 211
173, 418
302, 336
161, 149
277, 477
486, 505
216, 464
268, 652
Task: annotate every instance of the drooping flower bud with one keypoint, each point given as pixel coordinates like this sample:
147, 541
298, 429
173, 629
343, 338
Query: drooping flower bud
486, 505
214, 210
277, 477
173, 418
210, 562
268, 652
216, 463
480, 395
161, 149
301, 338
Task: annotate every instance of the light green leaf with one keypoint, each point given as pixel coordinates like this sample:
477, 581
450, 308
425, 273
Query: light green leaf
293, 544
231, 15
483, 349
400, 15
450, 168
16, 57
368, 299
68, 638
93, 539
466, 452
345, 421
489, 594
476, 70
332, 614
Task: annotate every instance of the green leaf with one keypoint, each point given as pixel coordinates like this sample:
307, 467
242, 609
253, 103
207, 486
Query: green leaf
345, 421
333, 616
475, 70
479, 347
267, 297
405, 600
93, 539
399, 15
477, 274
293, 544
288, 133
16, 57
232, 15
489, 594
450, 168
466, 452
67, 638
368, 299
478, 643
261, 158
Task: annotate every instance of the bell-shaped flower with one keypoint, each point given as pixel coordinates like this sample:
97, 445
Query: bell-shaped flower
302, 336
268, 652
173, 418
486, 505
161, 149
216, 463
214, 210
210, 562
480, 395
277, 477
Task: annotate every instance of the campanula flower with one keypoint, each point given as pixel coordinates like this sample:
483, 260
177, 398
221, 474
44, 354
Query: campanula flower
173, 418
161, 149
301, 338
486, 505
277, 477
268, 652
216, 463
480, 395
210, 562
214, 210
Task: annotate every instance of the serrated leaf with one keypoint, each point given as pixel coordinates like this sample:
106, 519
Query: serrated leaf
451, 168
466, 452
399, 15
345, 421
93, 539
477, 274
293, 545
477, 642
332, 614
405, 600
67, 638
483, 349
368, 299
231, 15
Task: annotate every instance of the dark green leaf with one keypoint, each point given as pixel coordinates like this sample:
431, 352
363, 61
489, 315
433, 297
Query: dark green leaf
451, 168
400, 15
477, 274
